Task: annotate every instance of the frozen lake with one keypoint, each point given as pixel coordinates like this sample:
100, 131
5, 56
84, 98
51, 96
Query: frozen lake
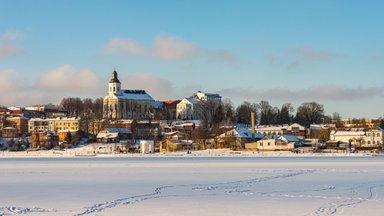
192, 186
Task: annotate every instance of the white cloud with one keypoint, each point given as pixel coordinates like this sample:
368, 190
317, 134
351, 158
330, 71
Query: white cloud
70, 80
170, 48
123, 46
17, 93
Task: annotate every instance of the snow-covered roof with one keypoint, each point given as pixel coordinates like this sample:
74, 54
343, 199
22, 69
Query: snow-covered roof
246, 133
270, 128
65, 131
321, 126
173, 133
157, 104
9, 128
290, 138
134, 95
102, 135
14, 108
192, 100
348, 133
118, 130
18, 117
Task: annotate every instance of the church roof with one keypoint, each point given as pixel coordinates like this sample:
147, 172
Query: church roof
134, 95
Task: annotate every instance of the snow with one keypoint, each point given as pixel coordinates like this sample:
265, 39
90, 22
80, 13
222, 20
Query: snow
192, 186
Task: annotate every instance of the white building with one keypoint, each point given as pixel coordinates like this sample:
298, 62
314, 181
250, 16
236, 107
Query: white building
274, 144
358, 137
271, 130
39, 124
209, 97
187, 109
126, 104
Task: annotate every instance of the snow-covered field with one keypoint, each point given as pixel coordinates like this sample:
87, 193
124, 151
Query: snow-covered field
192, 186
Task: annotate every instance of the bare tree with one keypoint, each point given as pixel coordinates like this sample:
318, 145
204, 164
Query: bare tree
310, 113
243, 112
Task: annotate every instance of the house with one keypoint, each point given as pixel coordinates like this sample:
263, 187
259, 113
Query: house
296, 130
18, 122
289, 139
236, 137
268, 143
9, 132
175, 145
321, 131
174, 135
188, 109
106, 137
75, 136
44, 139
124, 133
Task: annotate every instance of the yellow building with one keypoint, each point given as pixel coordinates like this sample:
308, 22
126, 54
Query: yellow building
72, 124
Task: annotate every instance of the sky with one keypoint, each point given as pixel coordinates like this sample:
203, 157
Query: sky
328, 51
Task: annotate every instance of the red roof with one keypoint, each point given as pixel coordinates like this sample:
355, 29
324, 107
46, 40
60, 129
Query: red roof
171, 103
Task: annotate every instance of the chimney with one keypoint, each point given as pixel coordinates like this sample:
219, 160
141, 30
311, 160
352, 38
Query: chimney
253, 126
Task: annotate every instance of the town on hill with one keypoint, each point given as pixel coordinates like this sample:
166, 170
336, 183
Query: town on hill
132, 121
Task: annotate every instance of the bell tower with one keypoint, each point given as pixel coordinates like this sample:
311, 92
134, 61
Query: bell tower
114, 85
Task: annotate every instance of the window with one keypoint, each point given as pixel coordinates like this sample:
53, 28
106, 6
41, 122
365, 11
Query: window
261, 144
369, 142
269, 143
373, 142
114, 88
378, 134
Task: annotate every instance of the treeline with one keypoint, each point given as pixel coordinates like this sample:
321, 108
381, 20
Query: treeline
86, 108
225, 113
265, 114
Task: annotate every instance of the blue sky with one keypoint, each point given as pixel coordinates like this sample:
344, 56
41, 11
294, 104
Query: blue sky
331, 51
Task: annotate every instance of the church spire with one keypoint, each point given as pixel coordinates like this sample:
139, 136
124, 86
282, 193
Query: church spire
114, 78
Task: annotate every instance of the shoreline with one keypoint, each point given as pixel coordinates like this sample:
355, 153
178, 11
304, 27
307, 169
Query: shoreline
224, 153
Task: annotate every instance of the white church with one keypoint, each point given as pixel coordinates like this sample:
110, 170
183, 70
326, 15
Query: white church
126, 104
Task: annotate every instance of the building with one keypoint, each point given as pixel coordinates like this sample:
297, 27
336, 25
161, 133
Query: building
18, 122
271, 130
208, 97
170, 107
9, 132
236, 138
270, 144
63, 123
126, 104
74, 137
188, 109
44, 139
40, 125
54, 125
358, 137
175, 145
296, 130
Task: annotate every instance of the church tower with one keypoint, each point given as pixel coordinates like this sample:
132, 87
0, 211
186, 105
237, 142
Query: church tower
114, 84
